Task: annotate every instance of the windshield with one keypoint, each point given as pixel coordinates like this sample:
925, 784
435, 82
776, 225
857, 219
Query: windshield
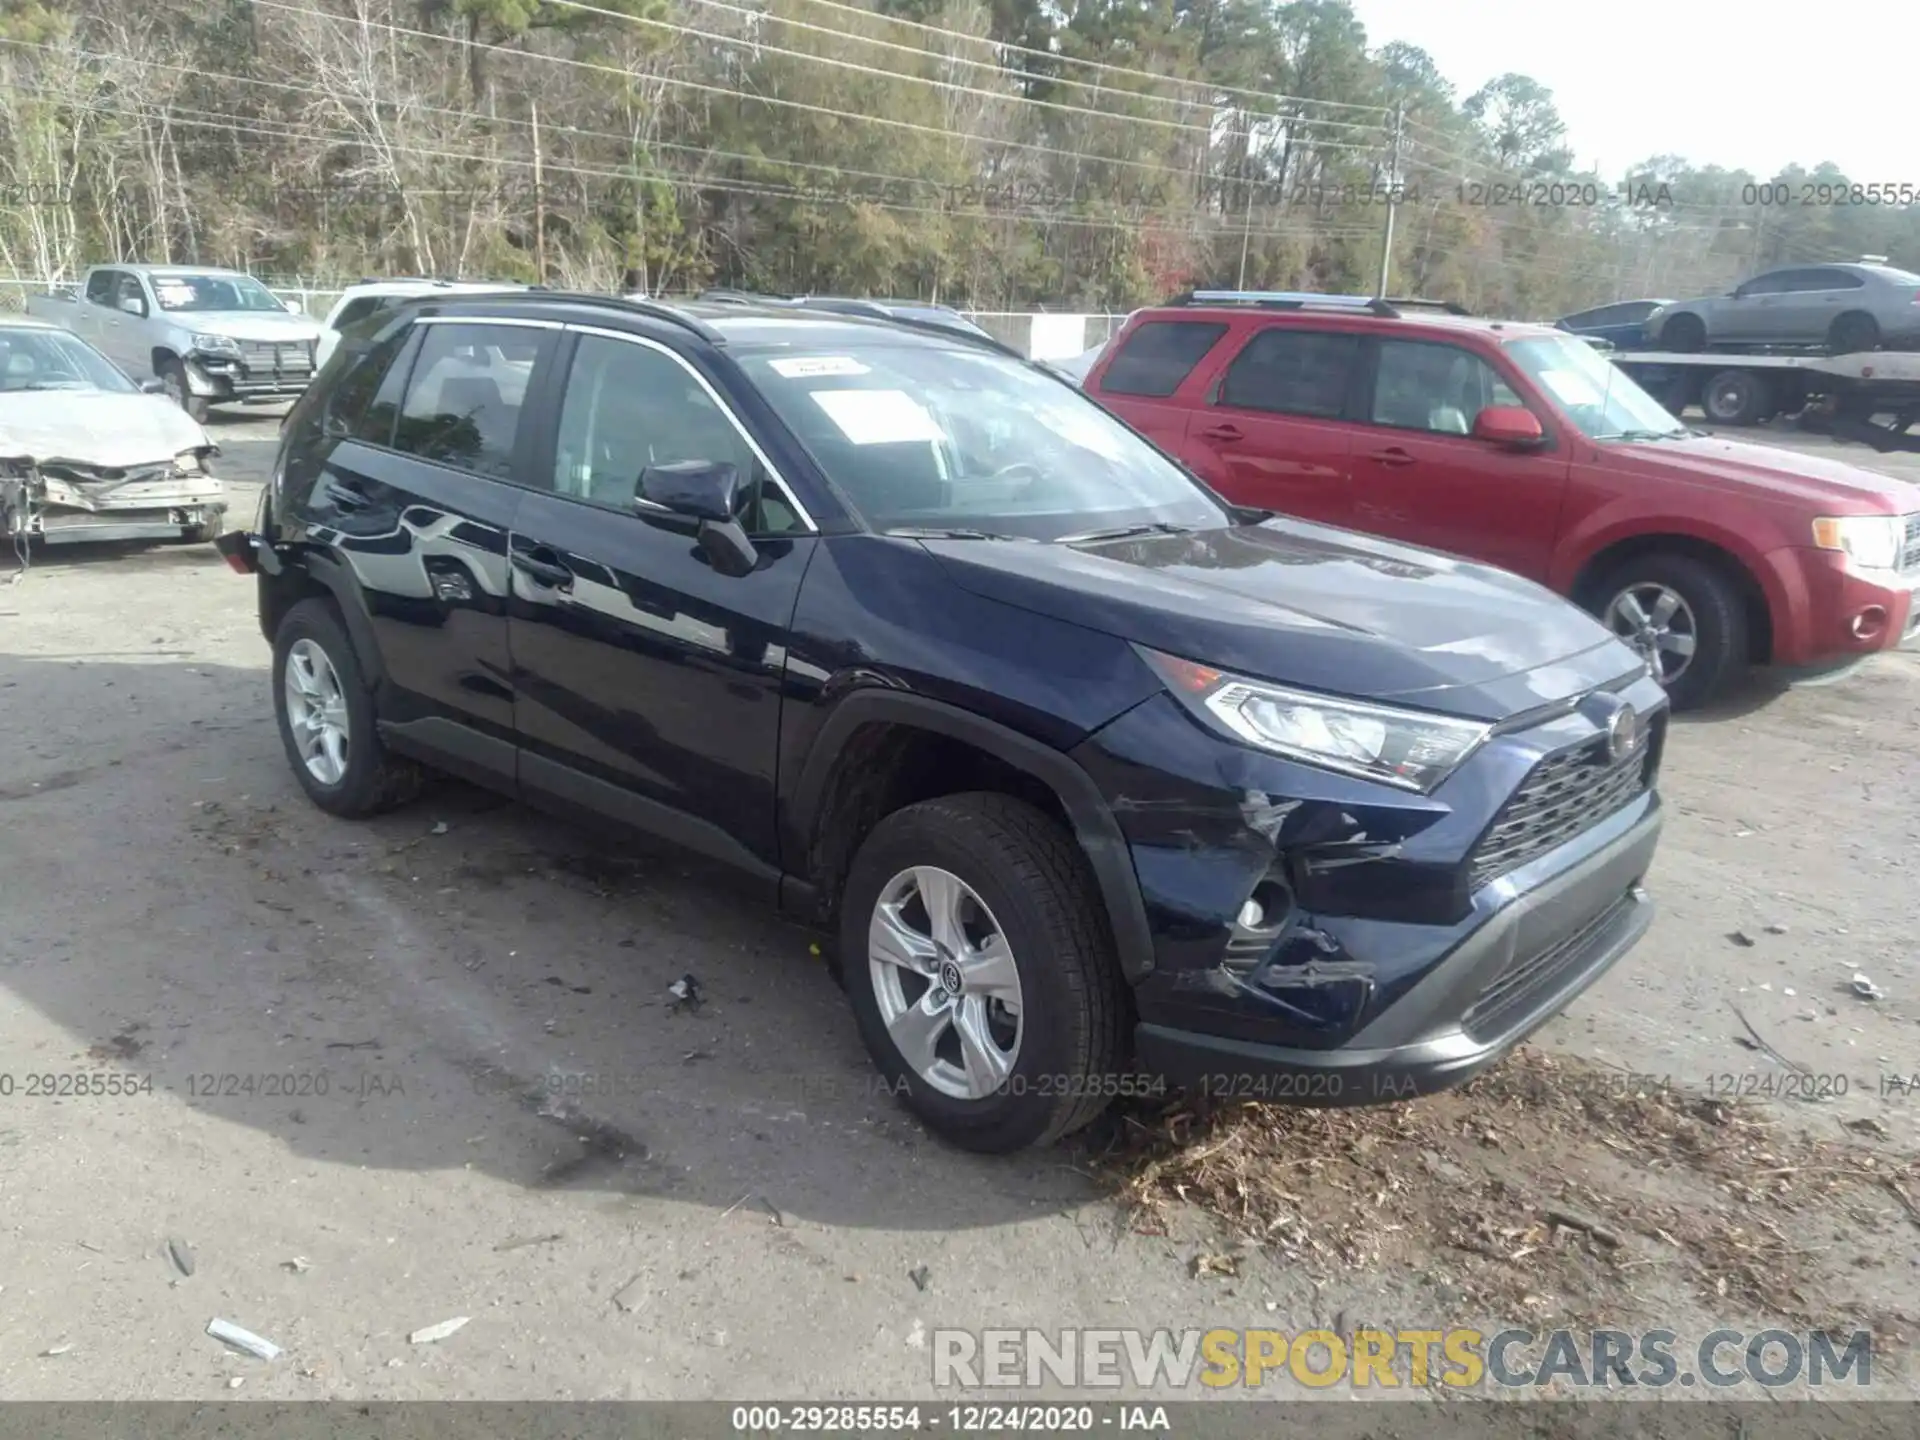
1596, 396
213, 292
55, 360
919, 438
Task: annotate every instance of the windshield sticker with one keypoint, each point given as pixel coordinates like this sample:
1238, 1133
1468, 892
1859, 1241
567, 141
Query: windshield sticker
878, 417
1570, 387
172, 295
809, 366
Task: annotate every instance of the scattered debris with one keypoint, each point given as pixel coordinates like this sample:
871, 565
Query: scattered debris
1776, 929
686, 991
917, 1336
88, 1245
694, 1056
439, 828
521, 1242
631, 1296
236, 1382
232, 1334
181, 1254
438, 1332
773, 1211
921, 1277
53, 1352
1573, 1220
1865, 988
353, 1045
1867, 1125
1202, 1266
1740, 937
299, 1264
1760, 1040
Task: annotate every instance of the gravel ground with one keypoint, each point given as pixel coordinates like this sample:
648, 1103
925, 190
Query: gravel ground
716, 1203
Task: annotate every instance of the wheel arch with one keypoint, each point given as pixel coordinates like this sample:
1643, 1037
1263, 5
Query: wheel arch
880, 748
314, 576
163, 356
1610, 556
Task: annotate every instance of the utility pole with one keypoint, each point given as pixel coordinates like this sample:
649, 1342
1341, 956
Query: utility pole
1393, 185
539, 201
1246, 183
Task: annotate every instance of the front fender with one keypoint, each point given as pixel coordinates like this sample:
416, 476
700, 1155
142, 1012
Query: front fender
1092, 819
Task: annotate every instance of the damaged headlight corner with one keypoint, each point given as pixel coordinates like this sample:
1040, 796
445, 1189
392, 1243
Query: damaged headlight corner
216, 344
1411, 749
188, 462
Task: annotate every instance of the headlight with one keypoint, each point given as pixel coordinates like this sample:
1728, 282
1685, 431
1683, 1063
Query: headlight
187, 462
1871, 541
1407, 748
217, 344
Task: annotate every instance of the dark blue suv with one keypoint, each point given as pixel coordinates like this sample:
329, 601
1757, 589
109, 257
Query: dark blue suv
1100, 781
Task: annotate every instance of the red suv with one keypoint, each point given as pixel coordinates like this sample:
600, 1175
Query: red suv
1521, 446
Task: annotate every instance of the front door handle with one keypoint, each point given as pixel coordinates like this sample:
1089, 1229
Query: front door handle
1221, 432
1392, 455
548, 572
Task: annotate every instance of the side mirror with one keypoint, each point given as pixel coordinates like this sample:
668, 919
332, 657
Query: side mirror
133, 305
293, 307
153, 387
1511, 427
706, 492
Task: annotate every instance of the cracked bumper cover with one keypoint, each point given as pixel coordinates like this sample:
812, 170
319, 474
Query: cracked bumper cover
1519, 968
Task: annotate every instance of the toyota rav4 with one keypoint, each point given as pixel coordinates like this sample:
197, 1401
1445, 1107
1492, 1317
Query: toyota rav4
1100, 780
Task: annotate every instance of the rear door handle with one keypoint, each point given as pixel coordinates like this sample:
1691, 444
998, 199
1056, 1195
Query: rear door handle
1221, 432
545, 571
1392, 455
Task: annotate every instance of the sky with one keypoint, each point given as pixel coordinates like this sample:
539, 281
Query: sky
1743, 86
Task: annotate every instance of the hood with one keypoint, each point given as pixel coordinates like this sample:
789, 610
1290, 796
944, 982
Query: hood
1315, 607
1782, 474
281, 325
96, 427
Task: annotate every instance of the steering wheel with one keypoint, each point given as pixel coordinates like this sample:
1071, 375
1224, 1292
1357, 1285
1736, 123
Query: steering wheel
1017, 470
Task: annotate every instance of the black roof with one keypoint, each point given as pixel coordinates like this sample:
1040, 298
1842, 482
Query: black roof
730, 323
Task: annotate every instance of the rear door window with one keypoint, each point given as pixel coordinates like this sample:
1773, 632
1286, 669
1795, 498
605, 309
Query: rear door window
1158, 356
1290, 371
466, 394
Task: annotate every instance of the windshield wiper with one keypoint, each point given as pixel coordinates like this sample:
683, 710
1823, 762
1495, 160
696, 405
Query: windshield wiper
912, 532
1125, 532
1649, 435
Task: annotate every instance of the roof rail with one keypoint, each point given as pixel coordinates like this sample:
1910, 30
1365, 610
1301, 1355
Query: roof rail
1409, 302
729, 295
1287, 300
653, 309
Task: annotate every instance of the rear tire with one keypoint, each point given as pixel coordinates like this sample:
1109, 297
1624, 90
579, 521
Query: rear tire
1735, 397
1852, 333
357, 776
1028, 881
1704, 623
1684, 333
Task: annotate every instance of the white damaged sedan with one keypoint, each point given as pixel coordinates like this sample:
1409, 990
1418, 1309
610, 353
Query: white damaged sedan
88, 455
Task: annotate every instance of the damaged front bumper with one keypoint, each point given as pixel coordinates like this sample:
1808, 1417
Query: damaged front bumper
1325, 940
63, 503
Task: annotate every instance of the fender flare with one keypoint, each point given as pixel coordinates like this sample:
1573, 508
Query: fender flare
1094, 827
322, 570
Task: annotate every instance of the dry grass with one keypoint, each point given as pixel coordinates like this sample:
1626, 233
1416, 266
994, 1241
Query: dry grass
1545, 1188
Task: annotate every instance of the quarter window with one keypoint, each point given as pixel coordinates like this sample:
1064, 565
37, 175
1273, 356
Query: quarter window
464, 399
1158, 356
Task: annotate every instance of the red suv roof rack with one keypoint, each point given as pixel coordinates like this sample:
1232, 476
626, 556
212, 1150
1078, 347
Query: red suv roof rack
1304, 300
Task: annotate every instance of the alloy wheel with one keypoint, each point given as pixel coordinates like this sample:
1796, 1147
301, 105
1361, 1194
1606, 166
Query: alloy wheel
1658, 622
946, 982
317, 712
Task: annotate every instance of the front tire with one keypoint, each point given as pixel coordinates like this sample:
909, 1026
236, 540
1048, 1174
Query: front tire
1685, 615
173, 375
326, 717
982, 973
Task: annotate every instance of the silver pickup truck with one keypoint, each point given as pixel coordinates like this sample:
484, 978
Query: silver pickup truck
211, 337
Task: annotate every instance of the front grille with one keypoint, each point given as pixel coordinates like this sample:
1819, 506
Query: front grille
294, 357
1910, 551
1516, 991
1562, 796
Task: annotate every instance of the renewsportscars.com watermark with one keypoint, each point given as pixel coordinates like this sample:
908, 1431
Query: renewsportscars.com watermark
1362, 1359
